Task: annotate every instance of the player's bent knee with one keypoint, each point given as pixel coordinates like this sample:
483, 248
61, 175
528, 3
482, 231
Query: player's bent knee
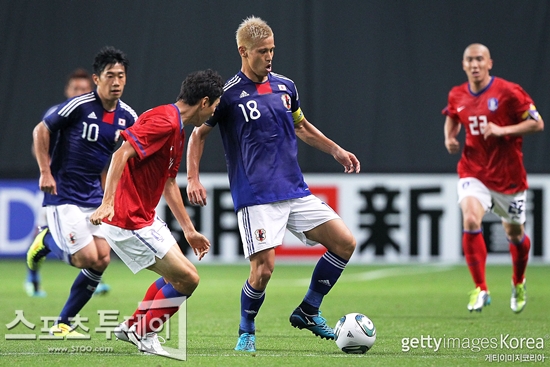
186, 280
348, 248
186, 286
265, 273
471, 223
101, 264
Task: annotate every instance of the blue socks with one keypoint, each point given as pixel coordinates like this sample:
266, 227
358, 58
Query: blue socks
82, 290
327, 271
251, 301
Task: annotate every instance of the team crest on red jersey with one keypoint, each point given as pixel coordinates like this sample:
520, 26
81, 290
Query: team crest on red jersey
492, 104
260, 234
286, 101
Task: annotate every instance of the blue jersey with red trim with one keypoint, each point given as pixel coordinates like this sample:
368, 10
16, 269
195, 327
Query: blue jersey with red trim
86, 135
257, 129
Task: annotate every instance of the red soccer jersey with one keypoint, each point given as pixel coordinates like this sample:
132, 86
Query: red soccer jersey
158, 138
497, 162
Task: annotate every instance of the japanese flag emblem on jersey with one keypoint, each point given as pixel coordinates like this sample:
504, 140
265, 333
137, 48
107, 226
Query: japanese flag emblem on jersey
286, 101
492, 104
260, 234
121, 122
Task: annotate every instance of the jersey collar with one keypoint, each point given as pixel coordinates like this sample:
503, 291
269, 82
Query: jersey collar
179, 114
483, 90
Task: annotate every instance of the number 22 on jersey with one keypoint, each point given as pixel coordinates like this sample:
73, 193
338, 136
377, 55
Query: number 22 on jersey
477, 124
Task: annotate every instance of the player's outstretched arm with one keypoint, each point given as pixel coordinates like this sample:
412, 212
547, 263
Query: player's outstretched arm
196, 193
118, 162
310, 135
197, 241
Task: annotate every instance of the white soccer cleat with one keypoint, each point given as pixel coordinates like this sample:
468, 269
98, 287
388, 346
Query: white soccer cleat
519, 297
478, 300
148, 344
121, 332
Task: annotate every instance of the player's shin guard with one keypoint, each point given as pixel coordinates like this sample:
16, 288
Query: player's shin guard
251, 301
166, 303
149, 296
81, 291
327, 271
475, 252
520, 257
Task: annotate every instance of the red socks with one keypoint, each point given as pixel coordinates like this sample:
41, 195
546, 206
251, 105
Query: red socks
161, 301
520, 256
475, 252
147, 299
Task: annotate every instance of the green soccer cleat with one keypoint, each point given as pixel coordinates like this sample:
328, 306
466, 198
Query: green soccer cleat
37, 252
519, 297
478, 300
66, 331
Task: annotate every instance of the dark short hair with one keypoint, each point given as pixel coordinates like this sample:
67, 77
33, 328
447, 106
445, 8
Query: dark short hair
79, 74
109, 55
200, 84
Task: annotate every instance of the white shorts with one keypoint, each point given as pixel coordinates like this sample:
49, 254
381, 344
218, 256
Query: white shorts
510, 208
139, 248
71, 228
263, 226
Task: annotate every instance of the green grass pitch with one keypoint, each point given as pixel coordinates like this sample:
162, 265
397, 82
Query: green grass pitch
404, 301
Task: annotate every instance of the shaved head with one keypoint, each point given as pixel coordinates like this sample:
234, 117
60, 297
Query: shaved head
477, 47
477, 64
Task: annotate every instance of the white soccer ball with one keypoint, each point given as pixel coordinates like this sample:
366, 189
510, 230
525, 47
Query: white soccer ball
355, 333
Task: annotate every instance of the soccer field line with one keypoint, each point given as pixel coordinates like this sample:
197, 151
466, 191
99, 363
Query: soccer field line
383, 273
397, 271
188, 355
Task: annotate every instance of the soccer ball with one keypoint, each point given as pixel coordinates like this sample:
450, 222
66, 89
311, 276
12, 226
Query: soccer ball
355, 333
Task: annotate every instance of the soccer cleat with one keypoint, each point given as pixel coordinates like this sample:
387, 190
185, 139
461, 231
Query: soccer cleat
102, 289
65, 330
519, 297
32, 292
148, 344
246, 343
314, 323
121, 332
37, 252
478, 300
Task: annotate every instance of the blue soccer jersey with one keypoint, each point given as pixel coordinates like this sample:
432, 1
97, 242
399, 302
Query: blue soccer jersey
86, 137
53, 136
257, 128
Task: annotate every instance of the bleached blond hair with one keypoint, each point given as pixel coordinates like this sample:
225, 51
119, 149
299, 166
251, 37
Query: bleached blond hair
252, 30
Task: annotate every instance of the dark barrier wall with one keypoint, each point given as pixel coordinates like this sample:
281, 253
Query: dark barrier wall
372, 75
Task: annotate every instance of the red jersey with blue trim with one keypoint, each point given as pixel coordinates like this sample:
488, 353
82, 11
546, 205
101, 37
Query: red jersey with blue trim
158, 138
495, 161
83, 137
257, 129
